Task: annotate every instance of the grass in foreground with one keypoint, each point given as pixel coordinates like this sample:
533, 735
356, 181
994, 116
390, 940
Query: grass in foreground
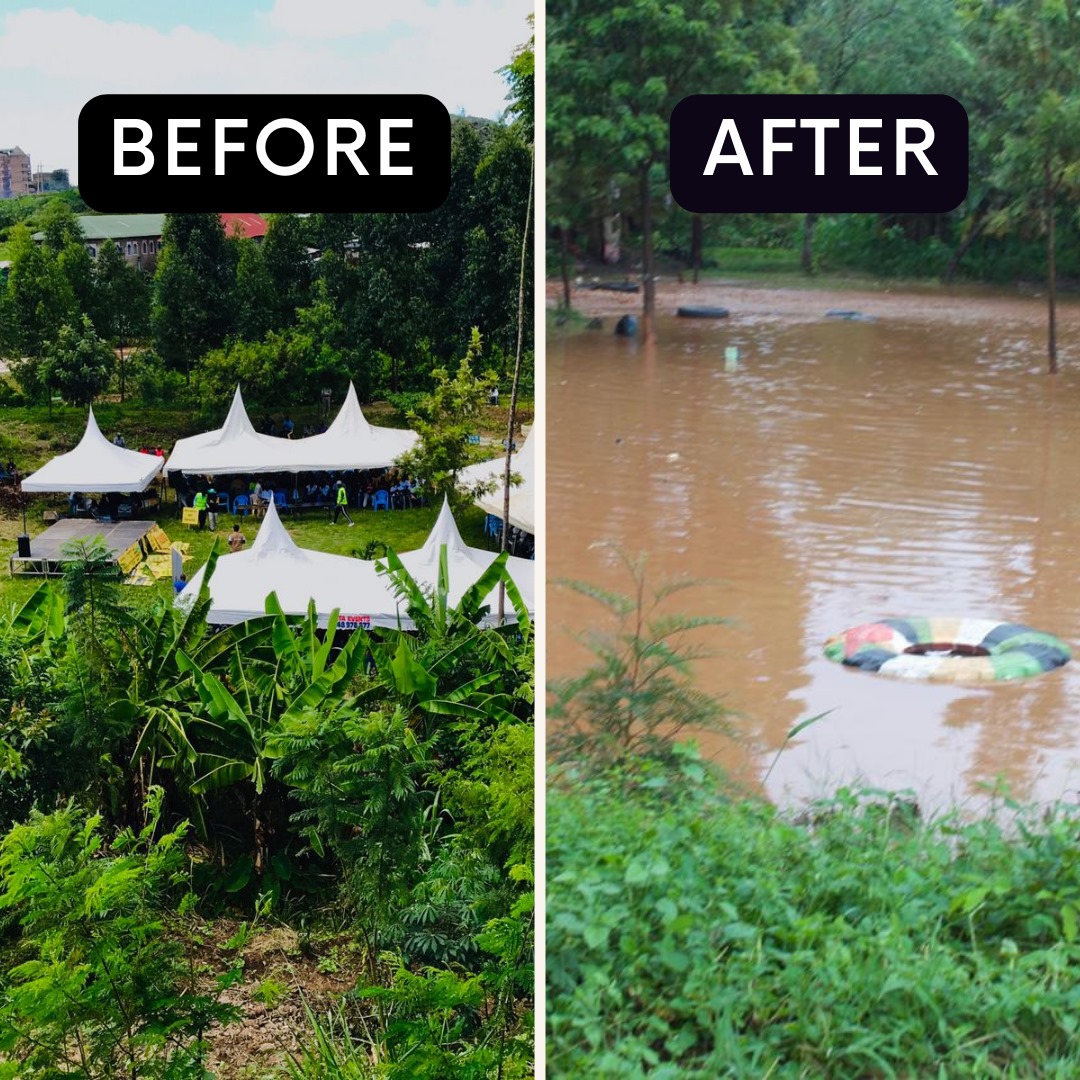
690, 934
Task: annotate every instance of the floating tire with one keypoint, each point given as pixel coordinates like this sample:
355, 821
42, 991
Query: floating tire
703, 312
613, 286
948, 650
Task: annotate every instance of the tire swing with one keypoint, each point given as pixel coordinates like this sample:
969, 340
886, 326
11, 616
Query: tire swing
948, 650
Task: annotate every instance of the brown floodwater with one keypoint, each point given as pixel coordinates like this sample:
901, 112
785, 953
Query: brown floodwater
920, 464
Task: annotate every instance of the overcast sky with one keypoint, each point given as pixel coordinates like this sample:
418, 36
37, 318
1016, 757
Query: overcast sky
55, 56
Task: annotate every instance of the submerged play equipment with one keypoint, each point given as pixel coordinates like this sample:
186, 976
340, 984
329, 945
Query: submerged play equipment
948, 650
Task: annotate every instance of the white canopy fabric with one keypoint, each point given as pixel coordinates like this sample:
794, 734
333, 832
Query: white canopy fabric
465, 565
95, 465
274, 563
522, 496
236, 447
350, 442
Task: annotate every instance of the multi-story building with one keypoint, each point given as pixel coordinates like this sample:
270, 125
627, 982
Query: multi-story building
45, 183
138, 236
15, 177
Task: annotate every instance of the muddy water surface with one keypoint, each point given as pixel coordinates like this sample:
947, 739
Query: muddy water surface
920, 464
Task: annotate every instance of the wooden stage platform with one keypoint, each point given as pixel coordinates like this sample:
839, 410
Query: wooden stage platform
46, 550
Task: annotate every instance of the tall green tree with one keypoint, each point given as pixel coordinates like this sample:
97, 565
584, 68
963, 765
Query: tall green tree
1033, 48
882, 47
445, 420
78, 363
616, 72
289, 267
121, 304
41, 301
253, 300
191, 309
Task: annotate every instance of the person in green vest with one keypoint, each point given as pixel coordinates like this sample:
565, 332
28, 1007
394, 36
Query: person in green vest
341, 498
201, 504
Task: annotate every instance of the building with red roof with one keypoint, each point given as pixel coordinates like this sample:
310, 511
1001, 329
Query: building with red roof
249, 226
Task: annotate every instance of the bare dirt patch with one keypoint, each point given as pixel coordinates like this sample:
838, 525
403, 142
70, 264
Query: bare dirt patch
281, 974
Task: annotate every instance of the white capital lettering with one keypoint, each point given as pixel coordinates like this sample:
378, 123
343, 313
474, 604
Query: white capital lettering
903, 147
388, 147
292, 125
819, 124
333, 147
221, 146
177, 148
857, 147
738, 155
771, 147
119, 146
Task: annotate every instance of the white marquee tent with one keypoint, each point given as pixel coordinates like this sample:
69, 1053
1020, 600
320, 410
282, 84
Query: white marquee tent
95, 465
465, 565
274, 563
522, 496
236, 447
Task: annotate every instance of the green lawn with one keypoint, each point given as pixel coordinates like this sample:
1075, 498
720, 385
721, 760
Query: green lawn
403, 530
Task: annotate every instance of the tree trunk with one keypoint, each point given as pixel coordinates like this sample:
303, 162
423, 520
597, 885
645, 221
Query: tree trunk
697, 229
648, 270
1051, 271
261, 836
982, 217
564, 247
514, 389
808, 243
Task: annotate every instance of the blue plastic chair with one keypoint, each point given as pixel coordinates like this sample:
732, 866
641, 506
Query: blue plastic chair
493, 526
241, 505
381, 500
282, 502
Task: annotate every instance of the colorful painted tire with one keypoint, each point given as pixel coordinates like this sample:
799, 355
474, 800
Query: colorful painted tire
948, 650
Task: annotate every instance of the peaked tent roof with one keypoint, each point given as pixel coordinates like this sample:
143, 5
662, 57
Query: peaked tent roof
350, 442
95, 465
236, 447
275, 563
465, 565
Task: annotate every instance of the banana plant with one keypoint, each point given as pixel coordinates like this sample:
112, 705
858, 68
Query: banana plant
245, 699
435, 668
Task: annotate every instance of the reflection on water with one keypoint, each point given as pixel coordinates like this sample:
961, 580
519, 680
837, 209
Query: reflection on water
846, 471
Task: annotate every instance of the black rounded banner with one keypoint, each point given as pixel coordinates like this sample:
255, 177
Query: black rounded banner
819, 153
328, 153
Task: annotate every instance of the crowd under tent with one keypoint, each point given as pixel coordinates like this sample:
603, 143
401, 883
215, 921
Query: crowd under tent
95, 465
350, 442
365, 598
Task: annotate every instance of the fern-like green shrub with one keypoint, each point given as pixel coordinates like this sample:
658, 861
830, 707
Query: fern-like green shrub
97, 988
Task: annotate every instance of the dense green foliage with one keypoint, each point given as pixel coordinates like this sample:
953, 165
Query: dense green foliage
693, 934
379, 299
388, 776
615, 73
100, 989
